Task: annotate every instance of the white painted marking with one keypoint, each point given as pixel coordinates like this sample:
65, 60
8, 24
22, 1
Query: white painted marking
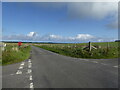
94, 61
29, 71
29, 65
21, 67
31, 77
31, 85
29, 60
115, 66
22, 63
103, 64
19, 72
11, 74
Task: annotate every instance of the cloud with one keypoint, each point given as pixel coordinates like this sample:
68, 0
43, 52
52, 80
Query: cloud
31, 34
95, 10
58, 38
54, 36
84, 36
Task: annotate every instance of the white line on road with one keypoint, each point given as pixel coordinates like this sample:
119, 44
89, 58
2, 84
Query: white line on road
11, 74
22, 63
115, 66
29, 65
29, 71
29, 60
21, 67
103, 64
30, 77
94, 61
31, 85
19, 72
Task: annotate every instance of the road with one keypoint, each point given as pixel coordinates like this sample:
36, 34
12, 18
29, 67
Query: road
45, 69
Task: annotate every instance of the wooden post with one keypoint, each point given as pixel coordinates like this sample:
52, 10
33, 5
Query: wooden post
107, 46
89, 46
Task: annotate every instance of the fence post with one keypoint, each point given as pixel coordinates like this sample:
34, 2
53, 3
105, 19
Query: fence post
107, 46
89, 46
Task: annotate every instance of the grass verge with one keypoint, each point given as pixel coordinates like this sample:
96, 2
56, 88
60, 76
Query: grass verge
76, 50
10, 56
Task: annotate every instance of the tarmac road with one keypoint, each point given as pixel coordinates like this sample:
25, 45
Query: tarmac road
45, 69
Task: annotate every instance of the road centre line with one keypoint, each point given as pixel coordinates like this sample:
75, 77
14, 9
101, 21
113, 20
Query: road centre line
19, 72
21, 67
94, 61
29, 60
31, 85
30, 77
29, 65
22, 63
103, 64
115, 66
29, 71
11, 74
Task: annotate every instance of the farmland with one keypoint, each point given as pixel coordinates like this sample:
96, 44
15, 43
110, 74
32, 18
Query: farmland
12, 54
101, 50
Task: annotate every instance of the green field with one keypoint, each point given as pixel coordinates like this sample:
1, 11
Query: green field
102, 50
13, 54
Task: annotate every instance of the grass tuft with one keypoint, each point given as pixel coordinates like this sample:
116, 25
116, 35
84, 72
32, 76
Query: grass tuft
11, 55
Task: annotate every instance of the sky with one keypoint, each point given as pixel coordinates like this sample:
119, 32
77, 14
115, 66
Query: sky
60, 21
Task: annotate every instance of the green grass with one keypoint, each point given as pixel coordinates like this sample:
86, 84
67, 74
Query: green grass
103, 51
0, 56
10, 56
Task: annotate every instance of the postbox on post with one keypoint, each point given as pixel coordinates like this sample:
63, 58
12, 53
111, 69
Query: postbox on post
19, 44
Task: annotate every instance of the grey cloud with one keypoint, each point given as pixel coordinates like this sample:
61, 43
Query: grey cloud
96, 10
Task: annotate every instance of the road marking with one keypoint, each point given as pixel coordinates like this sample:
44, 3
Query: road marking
29, 60
22, 63
103, 64
29, 71
29, 65
19, 72
94, 61
21, 67
30, 77
115, 66
31, 85
11, 74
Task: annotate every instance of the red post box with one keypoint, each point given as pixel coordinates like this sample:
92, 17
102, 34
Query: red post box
19, 43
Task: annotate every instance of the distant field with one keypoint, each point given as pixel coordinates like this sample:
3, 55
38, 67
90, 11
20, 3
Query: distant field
102, 50
13, 54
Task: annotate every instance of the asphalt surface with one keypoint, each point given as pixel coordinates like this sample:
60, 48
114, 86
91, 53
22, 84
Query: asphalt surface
46, 69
